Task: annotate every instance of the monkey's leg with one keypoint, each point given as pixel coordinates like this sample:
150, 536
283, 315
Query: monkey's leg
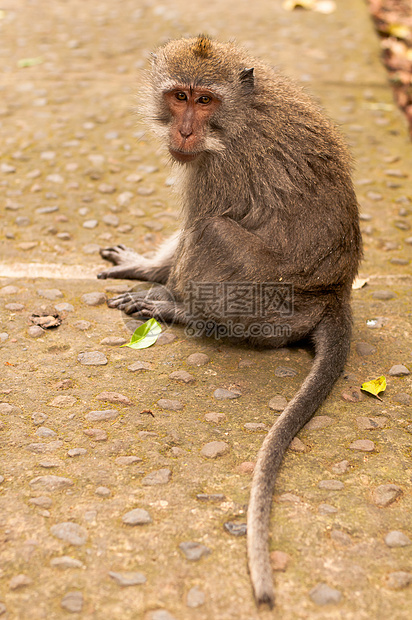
133, 266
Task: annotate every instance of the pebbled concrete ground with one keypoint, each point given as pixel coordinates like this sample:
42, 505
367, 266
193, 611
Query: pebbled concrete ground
78, 171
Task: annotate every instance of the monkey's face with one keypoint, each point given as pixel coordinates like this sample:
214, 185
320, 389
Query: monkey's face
191, 110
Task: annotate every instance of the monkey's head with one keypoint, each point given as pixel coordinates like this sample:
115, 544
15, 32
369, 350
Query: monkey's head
195, 85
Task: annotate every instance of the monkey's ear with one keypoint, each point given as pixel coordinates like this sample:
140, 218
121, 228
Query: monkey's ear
247, 79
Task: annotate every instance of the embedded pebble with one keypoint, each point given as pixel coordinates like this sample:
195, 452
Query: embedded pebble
5, 291
140, 366
255, 426
90, 224
195, 598
128, 578
403, 398
35, 331
193, 551
63, 401
14, 307
43, 431
327, 509
279, 560
127, 460
3, 337
103, 415
197, 359
19, 581
296, 445
97, 434
319, 421
43, 501
215, 417
399, 370
385, 494
278, 403
341, 467
247, 467
111, 220
364, 348
399, 580
285, 371
70, 532
383, 295
161, 614
114, 397
82, 325
222, 394
364, 445
113, 341
397, 539
236, 529
289, 497
6, 408
341, 537
352, 394
94, 299
213, 497
322, 594
103, 492
66, 561
50, 464
137, 516
331, 485
165, 338
213, 449
38, 417
182, 375
50, 293
42, 448
170, 405
72, 602
92, 358
50, 483
64, 307
76, 452
160, 476
370, 424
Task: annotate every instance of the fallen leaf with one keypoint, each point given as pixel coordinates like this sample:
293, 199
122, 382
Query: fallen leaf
145, 335
29, 62
375, 387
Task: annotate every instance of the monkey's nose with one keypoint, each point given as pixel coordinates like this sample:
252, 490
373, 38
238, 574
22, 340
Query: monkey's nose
185, 133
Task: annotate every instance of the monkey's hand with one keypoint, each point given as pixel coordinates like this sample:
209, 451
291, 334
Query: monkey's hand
128, 264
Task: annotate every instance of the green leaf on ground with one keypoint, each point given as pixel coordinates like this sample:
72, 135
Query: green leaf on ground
145, 335
29, 62
375, 387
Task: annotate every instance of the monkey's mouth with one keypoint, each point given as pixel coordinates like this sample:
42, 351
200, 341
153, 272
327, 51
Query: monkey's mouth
183, 156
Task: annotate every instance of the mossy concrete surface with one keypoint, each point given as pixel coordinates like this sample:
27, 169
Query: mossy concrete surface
78, 171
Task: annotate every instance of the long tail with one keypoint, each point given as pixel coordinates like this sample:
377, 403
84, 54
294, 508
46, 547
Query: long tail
331, 339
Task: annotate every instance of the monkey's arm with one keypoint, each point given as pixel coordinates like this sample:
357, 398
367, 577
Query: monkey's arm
133, 266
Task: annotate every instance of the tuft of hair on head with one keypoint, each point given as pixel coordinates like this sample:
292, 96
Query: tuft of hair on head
202, 47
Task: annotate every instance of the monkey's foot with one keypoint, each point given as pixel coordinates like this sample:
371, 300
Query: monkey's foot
139, 304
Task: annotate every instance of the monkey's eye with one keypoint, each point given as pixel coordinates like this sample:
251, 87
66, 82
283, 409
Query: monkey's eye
204, 99
181, 96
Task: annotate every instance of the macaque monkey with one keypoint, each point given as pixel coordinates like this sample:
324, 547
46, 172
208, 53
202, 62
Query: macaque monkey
267, 199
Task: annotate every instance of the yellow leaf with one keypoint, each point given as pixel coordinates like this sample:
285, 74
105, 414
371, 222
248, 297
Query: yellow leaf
400, 31
375, 386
